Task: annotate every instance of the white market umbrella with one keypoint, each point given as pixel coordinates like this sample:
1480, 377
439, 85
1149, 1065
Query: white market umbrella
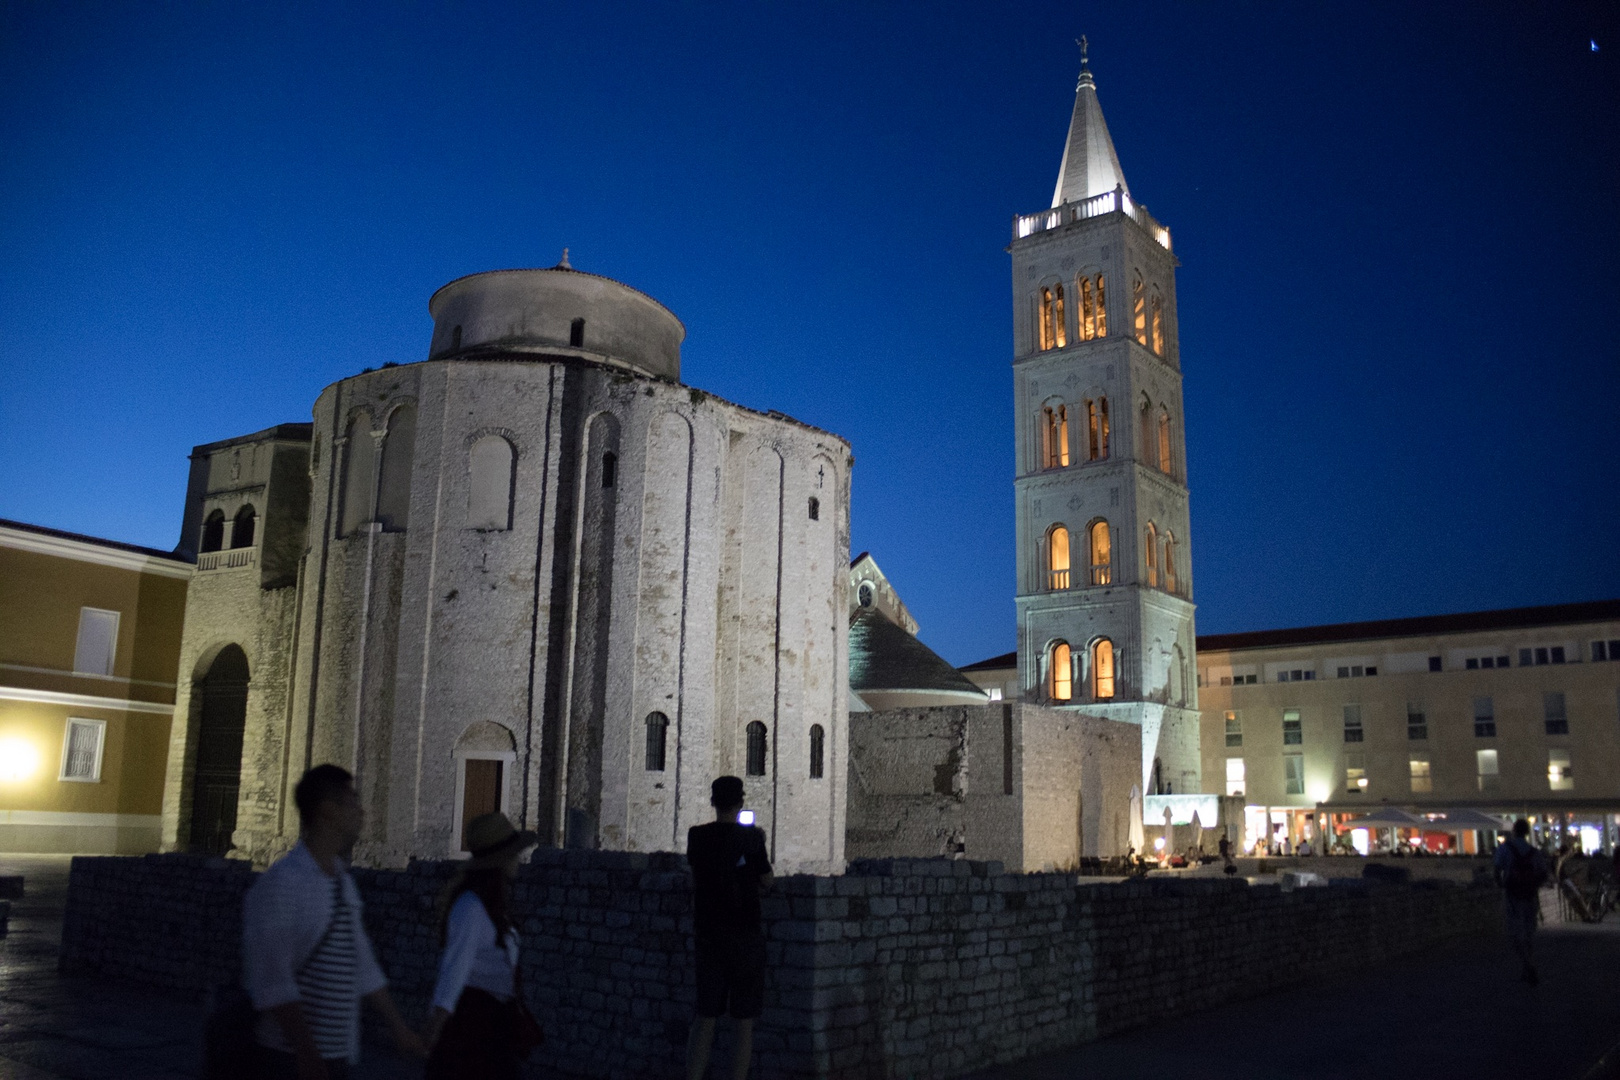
1388, 817
1467, 821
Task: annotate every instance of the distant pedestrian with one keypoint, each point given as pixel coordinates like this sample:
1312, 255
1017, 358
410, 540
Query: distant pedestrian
730, 869
1521, 870
480, 1027
306, 961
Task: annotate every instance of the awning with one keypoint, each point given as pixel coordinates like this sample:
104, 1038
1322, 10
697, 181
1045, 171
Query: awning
1467, 821
1387, 817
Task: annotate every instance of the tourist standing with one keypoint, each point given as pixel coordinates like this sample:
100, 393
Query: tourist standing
306, 961
480, 1027
1521, 870
729, 871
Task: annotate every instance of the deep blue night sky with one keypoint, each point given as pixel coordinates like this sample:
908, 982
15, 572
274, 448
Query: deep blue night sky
1399, 295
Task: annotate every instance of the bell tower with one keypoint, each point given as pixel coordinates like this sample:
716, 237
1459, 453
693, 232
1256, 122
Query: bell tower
1105, 587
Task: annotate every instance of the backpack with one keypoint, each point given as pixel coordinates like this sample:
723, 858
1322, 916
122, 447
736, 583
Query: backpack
1526, 873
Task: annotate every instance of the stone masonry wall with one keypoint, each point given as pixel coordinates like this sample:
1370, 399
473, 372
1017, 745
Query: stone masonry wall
899, 968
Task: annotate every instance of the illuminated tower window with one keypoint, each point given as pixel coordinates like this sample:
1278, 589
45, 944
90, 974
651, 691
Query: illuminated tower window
1059, 322
1087, 326
1139, 310
1055, 436
1047, 338
1097, 429
1102, 309
1152, 547
1057, 557
1060, 672
1157, 320
1164, 442
1102, 669
1101, 554
1170, 562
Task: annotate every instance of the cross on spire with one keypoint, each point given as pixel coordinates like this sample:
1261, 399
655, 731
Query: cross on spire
1081, 41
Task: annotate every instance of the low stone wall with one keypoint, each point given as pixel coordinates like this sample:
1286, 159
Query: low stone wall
898, 968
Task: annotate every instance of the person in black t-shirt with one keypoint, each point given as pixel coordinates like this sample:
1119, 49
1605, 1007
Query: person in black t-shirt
729, 870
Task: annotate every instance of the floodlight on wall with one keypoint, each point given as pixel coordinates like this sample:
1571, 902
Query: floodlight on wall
19, 760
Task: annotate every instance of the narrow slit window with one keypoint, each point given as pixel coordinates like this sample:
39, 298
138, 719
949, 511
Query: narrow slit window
1102, 428
1102, 309
815, 508
1164, 443
1152, 547
818, 751
455, 339
1157, 319
1087, 326
576, 334
1169, 562
1060, 323
657, 739
1139, 310
610, 469
1102, 670
756, 749
1046, 337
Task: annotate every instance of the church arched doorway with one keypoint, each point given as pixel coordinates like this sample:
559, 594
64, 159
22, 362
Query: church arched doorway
221, 697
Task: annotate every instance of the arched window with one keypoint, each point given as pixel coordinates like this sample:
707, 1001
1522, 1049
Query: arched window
818, 751
394, 478
1152, 548
1048, 338
1102, 554
242, 532
489, 484
1102, 309
213, 532
1059, 672
1164, 443
1097, 429
1060, 322
359, 479
1087, 326
756, 749
455, 338
1055, 436
576, 333
1157, 321
1145, 437
815, 508
1102, 669
610, 469
1057, 557
1170, 562
1139, 309
657, 737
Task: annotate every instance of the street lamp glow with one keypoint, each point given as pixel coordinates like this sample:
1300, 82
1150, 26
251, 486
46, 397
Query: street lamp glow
18, 760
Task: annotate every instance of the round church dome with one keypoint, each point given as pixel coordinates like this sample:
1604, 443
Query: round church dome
560, 311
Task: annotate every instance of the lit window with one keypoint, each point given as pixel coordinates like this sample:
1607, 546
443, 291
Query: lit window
756, 749
1294, 774
1559, 777
1060, 323
1102, 669
1088, 321
1417, 724
1552, 705
1060, 672
1422, 780
1157, 318
1055, 436
1484, 718
1170, 562
1097, 429
1102, 557
1051, 318
657, 731
818, 751
1355, 774
1234, 729
1102, 309
1235, 772
1293, 733
1164, 442
1139, 310
1485, 766
1352, 723
81, 750
1057, 557
1152, 548
97, 645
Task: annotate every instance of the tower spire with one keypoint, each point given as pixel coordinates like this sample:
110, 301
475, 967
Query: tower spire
1090, 166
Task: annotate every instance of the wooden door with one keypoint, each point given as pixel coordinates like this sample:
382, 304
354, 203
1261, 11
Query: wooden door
480, 791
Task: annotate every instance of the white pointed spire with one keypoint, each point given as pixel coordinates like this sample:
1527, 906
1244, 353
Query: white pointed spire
1090, 166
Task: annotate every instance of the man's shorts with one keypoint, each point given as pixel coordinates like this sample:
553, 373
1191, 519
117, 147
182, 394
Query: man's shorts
730, 976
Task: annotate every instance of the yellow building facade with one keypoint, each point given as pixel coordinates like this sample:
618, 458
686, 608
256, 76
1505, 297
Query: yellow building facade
89, 643
1511, 713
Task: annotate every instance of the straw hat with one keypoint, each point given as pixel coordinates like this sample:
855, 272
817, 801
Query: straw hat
492, 840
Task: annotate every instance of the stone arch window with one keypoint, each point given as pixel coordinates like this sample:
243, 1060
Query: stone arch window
491, 467
359, 460
213, 531
455, 338
1152, 548
756, 749
1059, 671
1144, 429
815, 508
1139, 308
1057, 557
1052, 329
1097, 429
610, 469
1100, 545
1054, 436
1102, 669
1165, 464
394, 478
1156, 322
818, 751
657, 739
1092, 319
576, 333
1170, 561
219, 710
242, 532
1102, 308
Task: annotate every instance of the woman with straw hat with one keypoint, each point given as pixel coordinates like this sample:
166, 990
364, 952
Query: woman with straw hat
480, 1026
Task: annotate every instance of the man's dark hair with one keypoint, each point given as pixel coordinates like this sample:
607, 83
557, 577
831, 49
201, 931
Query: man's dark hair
1521, 828
320, 784
726, 792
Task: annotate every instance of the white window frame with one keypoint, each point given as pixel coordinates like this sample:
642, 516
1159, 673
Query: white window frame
78, 642
461, 759
1237, 779
100, 727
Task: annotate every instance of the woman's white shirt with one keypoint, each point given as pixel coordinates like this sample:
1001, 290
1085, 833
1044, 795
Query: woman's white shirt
471, 957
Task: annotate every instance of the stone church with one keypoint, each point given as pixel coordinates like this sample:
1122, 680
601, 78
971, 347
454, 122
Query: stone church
532, 572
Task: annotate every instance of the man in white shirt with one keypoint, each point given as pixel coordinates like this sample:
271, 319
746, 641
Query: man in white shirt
306, 960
